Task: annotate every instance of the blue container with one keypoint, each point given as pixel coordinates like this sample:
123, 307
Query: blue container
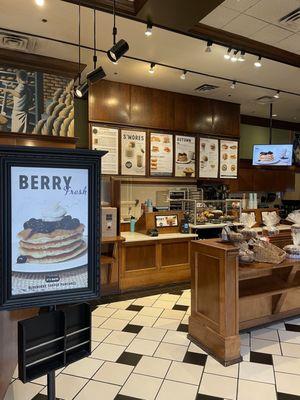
132, 224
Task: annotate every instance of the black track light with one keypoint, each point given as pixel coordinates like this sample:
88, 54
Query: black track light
118, 50
209, 46
148, 31
152, 68
233, 85
277, 94
96, 75
82, 90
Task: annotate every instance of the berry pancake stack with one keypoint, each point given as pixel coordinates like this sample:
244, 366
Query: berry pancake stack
46, 242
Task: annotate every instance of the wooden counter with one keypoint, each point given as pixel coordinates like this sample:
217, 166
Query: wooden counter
228, 297
151, 261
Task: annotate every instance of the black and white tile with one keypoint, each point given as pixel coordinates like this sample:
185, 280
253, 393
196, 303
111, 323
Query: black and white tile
141, 352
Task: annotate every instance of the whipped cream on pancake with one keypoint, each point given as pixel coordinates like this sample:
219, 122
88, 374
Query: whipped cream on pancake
54, 213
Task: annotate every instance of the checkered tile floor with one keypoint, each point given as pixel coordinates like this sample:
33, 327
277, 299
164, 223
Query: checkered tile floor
141, 351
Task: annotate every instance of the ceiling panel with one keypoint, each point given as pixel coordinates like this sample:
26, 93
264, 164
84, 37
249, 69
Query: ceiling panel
240, 5
245, 25
292, 43
220, 17
271, 34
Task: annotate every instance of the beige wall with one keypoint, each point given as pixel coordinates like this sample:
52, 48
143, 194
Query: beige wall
251, 135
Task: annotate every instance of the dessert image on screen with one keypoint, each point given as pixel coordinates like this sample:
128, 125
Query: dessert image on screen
55, 238
266, 156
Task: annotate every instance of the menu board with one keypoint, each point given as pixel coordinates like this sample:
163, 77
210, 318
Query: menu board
49, 229
107, 139
133, 153
228, 158
208, 158
185, 156
161, 158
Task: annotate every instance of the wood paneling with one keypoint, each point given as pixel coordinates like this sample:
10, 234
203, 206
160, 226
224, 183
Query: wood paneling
278, 124
110, 102
140, 257
29, 139
175, 253
120, 103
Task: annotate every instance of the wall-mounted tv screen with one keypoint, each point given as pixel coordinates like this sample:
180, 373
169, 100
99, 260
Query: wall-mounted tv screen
272, 154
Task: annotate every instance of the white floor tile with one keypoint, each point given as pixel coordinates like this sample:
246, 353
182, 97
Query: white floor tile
266, 334
249, 390
265, 346
185, 320
184, 301
168, 305
113, 373
94, 345
279, 326
98, 390
97, 321
176, 391
184, 372
173, 314
68, 386
125, 314
151, 366
144, 301
295, 321
245, 353
290, 349
151, 333
171, 351
18, 391
115, 324
214, 367
288, 365
169, 297
176, 338
43, 379
257, 372
245, 339
84, 368
195, 349
218, 386
120, 305
142, 346
120, 338
165, 323
103, 312
151, 311
289, 337
141, 387
287, 383
108, 352
143, 320
16, 373
99, 334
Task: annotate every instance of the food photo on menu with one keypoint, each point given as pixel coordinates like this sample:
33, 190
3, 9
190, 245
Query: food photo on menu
49, 240
161, 161
185, 156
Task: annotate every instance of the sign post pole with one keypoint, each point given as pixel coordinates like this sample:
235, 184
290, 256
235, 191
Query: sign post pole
51, 385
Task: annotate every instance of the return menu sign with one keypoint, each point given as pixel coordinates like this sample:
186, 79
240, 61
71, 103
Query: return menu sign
49, 228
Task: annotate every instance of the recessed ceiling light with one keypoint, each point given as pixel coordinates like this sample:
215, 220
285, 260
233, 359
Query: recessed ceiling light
40, 3
152, 68
258, 62
183, 75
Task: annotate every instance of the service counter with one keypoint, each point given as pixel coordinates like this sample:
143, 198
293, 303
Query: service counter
228, 297
151, 261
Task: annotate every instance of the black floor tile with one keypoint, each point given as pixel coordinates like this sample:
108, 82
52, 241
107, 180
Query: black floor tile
286, 396
132, 307
195, 358
132, 328
206, 397
129, 358
122, 397
292, 327
261, 358
183, 328
42, 397
179, 307
177, 292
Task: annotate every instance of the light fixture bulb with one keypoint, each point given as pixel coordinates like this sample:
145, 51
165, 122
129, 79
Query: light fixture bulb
227, 54
276, 95
40, 3
233, 84
148, 31
208, 47
82, 89
183, 75
242, 57
234, 57
151, 69
274, 115
258, 63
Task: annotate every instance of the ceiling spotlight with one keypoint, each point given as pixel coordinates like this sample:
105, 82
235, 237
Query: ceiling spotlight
227, 54
242, 56
234, 57
258, 63
183, 75
148, 31
276, 95
233, 84
274, 115
40, 3
96, 75
208, 47
118, 50
82, 90
151, 69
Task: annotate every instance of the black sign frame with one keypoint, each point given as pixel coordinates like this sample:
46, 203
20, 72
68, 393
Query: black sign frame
11, 156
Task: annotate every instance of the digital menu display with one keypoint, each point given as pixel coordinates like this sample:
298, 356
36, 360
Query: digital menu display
163, 221
273, 154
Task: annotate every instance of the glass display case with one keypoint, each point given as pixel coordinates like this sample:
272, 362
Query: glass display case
212, 211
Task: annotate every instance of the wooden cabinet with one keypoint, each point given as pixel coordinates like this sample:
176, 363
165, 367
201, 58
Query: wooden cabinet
226, 119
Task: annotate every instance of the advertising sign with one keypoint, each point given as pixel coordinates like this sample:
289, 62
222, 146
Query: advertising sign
133, 153
161, 163
50, 216
229, 159
185, 164
209, 158
107, 139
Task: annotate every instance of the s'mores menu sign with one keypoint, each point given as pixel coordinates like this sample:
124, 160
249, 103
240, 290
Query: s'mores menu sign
50, 244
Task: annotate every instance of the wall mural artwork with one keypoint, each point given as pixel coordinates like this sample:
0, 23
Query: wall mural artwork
36, 102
